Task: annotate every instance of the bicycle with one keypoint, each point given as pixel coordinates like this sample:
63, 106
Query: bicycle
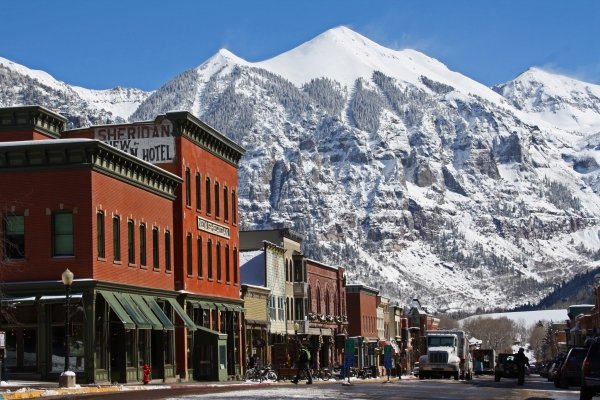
323, 374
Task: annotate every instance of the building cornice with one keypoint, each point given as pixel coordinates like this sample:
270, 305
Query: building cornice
205, 136
32, 118
93, 154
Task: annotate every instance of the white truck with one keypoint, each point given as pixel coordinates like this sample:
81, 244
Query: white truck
447, 355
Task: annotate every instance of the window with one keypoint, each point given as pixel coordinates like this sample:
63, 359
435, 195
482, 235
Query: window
155, 254
233, 208
225, 204
199, 256
168, 251
217, 202
235, 266
209, 258
227, 272
207, 194
219, 272
188, 245
198, 194
14, 236
117, 238
131, 242
143, 244
62, 233
100, 233
188, 188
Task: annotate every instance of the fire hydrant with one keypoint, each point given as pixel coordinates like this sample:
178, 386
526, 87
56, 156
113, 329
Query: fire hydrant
147, 372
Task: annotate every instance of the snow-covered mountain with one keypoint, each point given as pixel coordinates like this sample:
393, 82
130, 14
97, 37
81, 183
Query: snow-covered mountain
417, 179
23, 86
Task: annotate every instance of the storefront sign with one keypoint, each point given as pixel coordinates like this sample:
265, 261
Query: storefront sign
153, 143
211, 227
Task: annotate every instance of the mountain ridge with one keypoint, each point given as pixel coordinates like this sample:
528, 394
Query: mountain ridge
420, 183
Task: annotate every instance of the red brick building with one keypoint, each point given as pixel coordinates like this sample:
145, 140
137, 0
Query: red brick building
362, 322
327, 316
145, 215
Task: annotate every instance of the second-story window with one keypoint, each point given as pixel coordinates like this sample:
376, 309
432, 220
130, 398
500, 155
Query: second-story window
155, 250
167, 251
131, 241
219, 266
199, 256
116, 238
188, 248
62, 233
14, 236
227, 270
100, 234
209, 264
235, 265
143, 244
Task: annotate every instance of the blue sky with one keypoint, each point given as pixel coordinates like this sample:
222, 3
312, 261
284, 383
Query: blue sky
144, 43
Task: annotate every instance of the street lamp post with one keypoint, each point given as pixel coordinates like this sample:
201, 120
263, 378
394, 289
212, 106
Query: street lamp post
67, 379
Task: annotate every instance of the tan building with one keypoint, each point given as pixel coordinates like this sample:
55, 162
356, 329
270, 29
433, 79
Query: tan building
257, 322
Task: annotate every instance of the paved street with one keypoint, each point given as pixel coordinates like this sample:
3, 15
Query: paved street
480, 388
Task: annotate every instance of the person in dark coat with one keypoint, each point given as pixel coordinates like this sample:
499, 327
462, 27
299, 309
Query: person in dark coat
304, 365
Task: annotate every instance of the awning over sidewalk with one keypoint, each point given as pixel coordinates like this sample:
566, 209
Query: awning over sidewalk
118, 309
181, 312
137, 311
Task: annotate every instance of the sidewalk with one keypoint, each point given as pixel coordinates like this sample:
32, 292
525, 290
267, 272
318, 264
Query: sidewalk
16, 390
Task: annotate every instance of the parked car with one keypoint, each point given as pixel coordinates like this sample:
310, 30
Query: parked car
590, 372
569, 373
505, 367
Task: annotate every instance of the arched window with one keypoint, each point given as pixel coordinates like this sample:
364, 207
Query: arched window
327, 304
319, 300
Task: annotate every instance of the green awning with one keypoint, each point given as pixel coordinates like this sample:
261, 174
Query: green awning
186, 320
220, 306
207, 306
237, 308
158, 311
146, 311
132, 309
110, 298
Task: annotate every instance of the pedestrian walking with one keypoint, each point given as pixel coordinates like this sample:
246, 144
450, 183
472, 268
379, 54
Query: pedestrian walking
303, 365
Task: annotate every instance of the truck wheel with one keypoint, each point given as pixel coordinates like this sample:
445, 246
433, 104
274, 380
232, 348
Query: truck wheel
496, 378
456, 376
421, 375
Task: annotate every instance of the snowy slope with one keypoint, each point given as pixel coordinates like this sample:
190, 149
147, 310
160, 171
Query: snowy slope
566, 103
107, 105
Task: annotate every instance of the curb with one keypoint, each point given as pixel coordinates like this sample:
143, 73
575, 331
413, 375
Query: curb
35, 393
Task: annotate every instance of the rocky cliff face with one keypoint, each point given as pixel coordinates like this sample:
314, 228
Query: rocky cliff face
416, 179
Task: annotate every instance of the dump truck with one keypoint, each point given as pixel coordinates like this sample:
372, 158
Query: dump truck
447, 355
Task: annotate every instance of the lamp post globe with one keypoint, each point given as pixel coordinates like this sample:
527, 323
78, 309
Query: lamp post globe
67, 279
